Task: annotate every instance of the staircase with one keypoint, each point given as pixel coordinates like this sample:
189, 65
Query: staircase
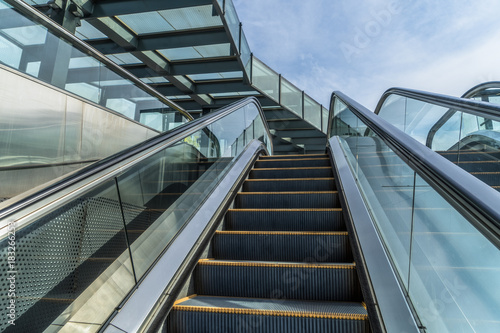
282, 261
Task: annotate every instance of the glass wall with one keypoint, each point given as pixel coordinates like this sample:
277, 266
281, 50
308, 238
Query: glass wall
448, 269
78, 259
471, 141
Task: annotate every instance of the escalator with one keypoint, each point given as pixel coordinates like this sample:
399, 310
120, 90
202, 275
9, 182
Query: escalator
282, 261
203, 229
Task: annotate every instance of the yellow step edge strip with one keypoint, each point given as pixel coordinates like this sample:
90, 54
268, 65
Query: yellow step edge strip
321, 315
297, 168
287, 179
275, 265
486, 173
185, 299
305, 155
292, 233
290, 192
296, 159
285, 210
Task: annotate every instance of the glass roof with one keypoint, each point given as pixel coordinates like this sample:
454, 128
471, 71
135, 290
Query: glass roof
124, 58
156, 79
216, 76
87, 31
235, 94
197, 52
172, 19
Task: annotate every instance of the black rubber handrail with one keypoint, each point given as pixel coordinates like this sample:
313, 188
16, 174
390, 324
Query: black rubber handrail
61, 32
482, 86
474, 199
108, 162
478, 108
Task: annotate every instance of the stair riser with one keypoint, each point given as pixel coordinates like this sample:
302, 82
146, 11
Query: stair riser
292, 164
282, 247
196, 322
294, 200
277, 282
285, 220
290, 173
289, 185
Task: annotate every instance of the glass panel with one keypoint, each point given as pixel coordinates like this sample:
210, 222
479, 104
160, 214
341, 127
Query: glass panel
454, 269
245, 54
69, 262
233, 22
265, 79
325, 113
385, 181
191, 17
471, 141
291, 97
312, 111
161, 193
448, 268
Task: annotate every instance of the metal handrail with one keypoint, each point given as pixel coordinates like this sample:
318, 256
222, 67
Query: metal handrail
467, 194
61, 32
478, 108
165, 139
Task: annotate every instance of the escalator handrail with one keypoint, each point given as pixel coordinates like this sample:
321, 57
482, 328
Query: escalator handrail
478, 108
482, 86
61, 32
168, 137
471, 197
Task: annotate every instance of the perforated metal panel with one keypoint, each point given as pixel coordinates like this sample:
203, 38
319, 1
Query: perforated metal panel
59, 256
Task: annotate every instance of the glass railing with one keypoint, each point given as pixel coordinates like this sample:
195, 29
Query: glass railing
74, 251
227, 9
447, 266
34, 45
289, 96
465, 132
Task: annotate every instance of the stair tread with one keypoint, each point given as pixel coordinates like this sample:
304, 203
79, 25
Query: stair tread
314, 309
299, 233
288, 179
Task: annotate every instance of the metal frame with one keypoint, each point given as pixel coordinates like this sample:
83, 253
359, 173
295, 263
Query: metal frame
386, 302
151, 301
472, 198
482, 86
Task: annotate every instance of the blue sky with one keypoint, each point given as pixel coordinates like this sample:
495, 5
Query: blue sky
365, 47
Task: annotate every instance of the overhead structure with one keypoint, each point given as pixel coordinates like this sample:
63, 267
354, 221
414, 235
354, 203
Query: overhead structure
195, 53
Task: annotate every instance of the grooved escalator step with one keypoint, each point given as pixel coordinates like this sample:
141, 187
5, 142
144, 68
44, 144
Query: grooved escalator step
260, 279
305, 172
231, 314
327, 199
490, 178
320, 219
289, 184
480, 166
292, 163
282, 246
